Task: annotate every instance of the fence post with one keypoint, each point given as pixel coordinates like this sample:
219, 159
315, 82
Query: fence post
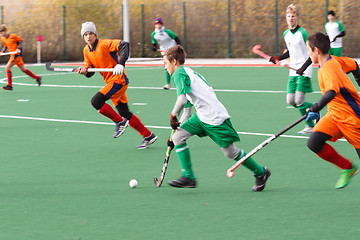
229, 29
184, 20
326, 9
276, 29
142, 31
2, 14
64, 33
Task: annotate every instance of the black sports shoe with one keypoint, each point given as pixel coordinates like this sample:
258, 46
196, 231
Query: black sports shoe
260, 180
39, 80
183, 182
7, 87
146, 142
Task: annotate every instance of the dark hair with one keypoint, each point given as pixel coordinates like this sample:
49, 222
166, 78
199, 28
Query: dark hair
177, 53
331, 12
319, 40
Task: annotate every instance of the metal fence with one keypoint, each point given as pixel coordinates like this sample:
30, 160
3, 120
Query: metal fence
207, 28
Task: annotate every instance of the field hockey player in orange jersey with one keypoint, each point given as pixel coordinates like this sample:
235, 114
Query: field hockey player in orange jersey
13, 43
112, 53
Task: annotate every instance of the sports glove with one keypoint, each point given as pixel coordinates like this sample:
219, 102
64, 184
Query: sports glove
312, 116
154, 48
274, 59
174, 123
170, 143
118, 69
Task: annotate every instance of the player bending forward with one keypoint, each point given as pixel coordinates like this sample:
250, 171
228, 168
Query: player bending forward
13, 43
343, 107
211, 119
107, 53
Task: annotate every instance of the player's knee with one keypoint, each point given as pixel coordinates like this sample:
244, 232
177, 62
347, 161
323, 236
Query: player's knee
178, 138
124, 110
98, 101
314, 145
291, 101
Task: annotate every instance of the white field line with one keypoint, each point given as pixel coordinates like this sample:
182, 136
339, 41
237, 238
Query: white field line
149, 126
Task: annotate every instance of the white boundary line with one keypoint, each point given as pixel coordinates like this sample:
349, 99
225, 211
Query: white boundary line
149, 126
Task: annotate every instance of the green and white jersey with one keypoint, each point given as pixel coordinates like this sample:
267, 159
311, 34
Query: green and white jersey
332, 30
209, 109
296, 44
164, 37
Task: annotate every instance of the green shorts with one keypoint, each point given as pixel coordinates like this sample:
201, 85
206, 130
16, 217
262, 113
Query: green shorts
299, 83
335, 51
223, 135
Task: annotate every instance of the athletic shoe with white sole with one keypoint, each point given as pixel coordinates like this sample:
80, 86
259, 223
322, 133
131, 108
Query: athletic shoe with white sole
260, 180
345, 176
306, 130
120, 127
183, 182
147, 141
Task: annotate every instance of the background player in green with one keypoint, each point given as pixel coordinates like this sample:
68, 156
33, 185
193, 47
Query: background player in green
335, 30
166, 39
211, 119
298, 84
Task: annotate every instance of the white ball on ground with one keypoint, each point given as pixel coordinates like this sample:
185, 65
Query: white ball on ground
133, 183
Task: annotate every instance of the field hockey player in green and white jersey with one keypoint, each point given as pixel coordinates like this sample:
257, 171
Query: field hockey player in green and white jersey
211, 119
298, 85
335, 30
166, 39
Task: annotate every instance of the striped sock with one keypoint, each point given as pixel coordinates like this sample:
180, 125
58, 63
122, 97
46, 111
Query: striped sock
183, 153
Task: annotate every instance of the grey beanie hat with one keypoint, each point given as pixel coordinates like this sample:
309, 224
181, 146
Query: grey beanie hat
88, 27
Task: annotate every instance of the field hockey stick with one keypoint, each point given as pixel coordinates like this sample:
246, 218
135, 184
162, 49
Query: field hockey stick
230, 171
257, 51
8, 53
159, 181
57, 69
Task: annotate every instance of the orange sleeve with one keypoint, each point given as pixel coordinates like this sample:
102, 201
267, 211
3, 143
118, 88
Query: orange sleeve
111, 44
347, 64
86, 57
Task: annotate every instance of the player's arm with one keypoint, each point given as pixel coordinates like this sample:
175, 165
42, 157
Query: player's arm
342, 34
124, 50
356, 73
153, 41
179, 105
280, 57
301, 70
323, 101
3, 50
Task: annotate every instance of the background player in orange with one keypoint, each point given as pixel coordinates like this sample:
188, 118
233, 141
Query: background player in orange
343, 101
112, 53
13, 43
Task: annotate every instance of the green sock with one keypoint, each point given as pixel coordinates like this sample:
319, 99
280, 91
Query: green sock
302, 110
251, 164
168, 77
183, 153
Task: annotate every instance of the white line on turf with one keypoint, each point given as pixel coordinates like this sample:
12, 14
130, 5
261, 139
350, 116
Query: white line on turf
149, 126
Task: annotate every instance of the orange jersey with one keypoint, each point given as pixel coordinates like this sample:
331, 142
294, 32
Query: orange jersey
11, 42
345, 106
105, 55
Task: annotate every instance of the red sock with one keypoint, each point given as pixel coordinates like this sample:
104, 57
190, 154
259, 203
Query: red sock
138, 126
9, 77
329, 154
109, 112
31, 74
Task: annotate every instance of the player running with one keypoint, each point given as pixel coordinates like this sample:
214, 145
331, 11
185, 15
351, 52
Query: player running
107, 53
211, 119
166, 39
336, 32
13, 43
343, 107
298, 85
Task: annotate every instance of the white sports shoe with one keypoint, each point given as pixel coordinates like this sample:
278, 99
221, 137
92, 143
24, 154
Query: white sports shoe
306, 130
